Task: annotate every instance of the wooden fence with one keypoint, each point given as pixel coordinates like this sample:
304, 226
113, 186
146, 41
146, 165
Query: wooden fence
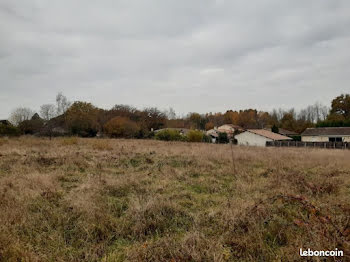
329, 145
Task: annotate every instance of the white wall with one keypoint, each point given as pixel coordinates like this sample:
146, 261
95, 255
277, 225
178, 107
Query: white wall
250, 139
321, 138
314, 138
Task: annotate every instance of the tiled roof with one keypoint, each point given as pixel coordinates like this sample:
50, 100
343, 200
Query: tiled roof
268, 134
287, 132
327, 131
284, 132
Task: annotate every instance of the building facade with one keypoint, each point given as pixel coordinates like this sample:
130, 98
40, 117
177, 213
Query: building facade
326, 134
258, 137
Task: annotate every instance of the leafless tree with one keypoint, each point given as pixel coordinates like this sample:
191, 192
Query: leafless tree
314, 113
170, 113
62, 103
48, 111
20, 114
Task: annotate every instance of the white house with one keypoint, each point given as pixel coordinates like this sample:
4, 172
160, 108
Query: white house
326, 134
258, 137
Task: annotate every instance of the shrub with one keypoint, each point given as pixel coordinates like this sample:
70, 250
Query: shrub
296, 138
275, 129
206, 139
169, 135
334, 123
9, 130
121, 127
31, 127
223, 138
195, 136
81, 119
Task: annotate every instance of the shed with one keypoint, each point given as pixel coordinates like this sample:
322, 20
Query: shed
258, 137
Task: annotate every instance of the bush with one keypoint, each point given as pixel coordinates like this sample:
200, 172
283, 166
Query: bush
195, 136
9, 130
121, 127
275, 129
296, 138
206, 139
169, 135
81, 119
31, 127
223, 138
334, 123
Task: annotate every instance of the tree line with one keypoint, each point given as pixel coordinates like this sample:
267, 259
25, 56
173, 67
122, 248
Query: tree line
86, 120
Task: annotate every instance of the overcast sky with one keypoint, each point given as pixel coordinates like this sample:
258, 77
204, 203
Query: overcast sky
192, 55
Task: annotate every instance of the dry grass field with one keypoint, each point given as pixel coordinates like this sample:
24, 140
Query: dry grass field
73, 199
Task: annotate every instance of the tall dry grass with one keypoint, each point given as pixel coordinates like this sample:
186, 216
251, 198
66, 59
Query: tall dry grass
131, 200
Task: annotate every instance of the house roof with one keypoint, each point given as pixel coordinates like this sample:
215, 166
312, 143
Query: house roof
212, 132
268, 134
5, 122
284, 132
327, 131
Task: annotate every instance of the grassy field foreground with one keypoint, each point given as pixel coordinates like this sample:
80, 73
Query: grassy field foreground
73, 199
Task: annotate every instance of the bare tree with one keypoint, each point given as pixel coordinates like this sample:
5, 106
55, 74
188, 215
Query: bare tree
20, 114
324, 111
48, 111
62, 103
321, 111
170, 113
314, 113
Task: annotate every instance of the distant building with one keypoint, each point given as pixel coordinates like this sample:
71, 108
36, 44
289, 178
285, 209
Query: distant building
284, 132
258, 137
55, 127
229, 129
326, 134
5, 122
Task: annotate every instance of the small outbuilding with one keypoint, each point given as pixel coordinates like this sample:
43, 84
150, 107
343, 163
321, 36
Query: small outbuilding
259, 137
326, 134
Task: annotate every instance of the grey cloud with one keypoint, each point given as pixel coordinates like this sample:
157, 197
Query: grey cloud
199, 55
